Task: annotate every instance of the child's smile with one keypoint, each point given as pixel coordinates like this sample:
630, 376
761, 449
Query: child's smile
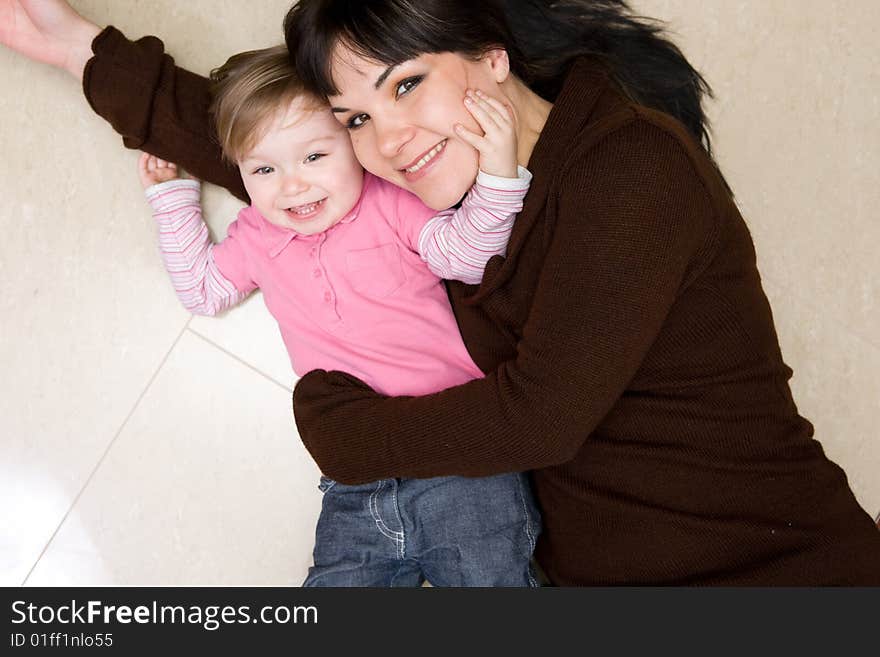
302, 174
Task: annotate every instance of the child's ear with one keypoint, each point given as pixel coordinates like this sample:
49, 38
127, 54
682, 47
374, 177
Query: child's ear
499, 64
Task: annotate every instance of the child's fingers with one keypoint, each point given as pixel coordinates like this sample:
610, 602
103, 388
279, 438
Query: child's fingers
152, 163
492, 107
154, 169
482, 112
469, 137
502, 111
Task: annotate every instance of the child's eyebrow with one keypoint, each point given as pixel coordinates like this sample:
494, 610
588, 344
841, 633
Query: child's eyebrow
339, 110
317, 139
253, 155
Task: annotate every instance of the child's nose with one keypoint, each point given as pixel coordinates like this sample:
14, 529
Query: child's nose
294, 184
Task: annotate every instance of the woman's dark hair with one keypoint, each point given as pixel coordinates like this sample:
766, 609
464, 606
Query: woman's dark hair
542, 38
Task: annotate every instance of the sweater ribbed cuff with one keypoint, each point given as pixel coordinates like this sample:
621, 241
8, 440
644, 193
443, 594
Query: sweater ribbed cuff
119, 82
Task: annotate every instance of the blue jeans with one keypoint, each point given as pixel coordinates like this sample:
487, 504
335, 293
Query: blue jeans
452, 531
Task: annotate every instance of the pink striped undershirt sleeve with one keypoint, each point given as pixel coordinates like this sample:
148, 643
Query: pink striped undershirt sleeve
187, 250
457, 244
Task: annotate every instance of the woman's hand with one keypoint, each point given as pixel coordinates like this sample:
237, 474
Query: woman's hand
320, 395
48, 31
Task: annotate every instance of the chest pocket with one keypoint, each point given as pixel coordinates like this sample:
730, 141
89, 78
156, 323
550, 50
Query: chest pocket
375, 272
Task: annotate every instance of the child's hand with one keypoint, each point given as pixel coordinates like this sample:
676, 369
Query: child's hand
497, 144
153, 171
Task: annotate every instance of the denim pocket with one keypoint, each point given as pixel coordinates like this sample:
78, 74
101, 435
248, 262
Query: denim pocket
325, 484
375, 272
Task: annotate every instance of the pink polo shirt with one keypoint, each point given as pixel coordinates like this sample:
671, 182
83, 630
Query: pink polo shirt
357, 297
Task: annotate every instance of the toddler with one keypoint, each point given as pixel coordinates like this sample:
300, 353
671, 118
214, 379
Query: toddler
351, 266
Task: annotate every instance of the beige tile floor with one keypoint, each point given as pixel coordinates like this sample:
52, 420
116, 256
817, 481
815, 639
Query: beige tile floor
140, 445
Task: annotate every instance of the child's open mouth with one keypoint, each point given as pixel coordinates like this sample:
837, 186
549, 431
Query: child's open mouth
306, 210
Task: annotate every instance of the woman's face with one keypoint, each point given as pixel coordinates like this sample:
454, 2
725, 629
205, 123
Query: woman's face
401, 119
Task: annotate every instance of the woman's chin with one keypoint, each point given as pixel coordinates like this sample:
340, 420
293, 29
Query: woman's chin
443, 197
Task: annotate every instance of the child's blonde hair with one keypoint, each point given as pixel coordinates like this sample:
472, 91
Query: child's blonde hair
248, 91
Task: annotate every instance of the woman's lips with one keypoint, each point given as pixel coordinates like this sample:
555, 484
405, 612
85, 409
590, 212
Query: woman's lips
424, 163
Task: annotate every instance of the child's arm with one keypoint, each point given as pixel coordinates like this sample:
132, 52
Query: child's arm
458, 244
184, 242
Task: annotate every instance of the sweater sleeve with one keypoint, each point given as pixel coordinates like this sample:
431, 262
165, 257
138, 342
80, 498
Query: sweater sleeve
187, 250
457, 244
156, 106
624, 235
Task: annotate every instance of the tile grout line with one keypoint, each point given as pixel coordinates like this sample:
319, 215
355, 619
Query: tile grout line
107, 449
243, 362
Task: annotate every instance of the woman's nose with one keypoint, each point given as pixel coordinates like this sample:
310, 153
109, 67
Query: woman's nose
392, 137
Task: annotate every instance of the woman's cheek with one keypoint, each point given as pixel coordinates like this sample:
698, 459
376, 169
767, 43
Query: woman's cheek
440, 117
364, 149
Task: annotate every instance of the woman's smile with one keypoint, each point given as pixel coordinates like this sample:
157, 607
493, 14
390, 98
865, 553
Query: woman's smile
405, 132
424, 163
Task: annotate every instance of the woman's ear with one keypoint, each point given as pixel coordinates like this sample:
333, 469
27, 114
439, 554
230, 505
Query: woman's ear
499, 64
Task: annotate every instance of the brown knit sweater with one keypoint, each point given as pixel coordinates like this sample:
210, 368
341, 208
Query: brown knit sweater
630, 356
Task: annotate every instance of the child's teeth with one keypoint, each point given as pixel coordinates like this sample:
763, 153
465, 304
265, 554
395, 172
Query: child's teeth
305, 209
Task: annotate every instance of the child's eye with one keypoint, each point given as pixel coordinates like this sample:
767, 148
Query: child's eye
357, 121
407, 85
262, 171
314, 157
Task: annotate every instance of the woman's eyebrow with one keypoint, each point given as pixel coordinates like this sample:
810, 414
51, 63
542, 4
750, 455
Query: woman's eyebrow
378, 83
384, 76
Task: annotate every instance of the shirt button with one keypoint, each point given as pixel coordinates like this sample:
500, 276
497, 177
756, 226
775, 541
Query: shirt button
317, 273
328, 297
313, 252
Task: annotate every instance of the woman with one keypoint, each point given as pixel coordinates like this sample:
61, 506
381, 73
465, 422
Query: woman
630, 355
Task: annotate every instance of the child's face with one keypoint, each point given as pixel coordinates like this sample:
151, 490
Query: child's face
303, 174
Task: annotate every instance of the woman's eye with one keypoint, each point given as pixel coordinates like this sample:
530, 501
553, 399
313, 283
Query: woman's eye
407, 85
262, 171
357, 121
314, 157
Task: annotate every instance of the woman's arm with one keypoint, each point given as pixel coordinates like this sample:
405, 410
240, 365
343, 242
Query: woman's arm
48, 31
625, 234
155, 106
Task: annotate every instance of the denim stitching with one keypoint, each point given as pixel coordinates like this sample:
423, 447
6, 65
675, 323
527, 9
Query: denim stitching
401, 546
331, 483
522, 499
532, 540
397, 537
